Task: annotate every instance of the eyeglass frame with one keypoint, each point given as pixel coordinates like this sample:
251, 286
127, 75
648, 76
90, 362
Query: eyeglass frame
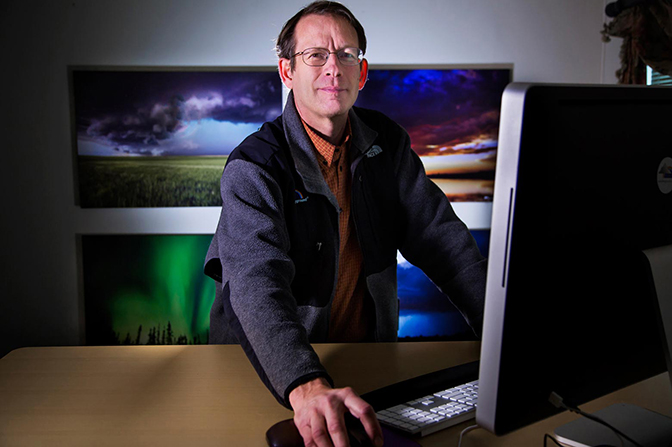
360, 56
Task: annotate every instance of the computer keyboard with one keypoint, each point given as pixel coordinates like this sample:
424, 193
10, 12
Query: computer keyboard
428, 403
434, 412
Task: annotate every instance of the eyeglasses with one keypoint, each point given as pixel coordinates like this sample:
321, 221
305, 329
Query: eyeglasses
317, 57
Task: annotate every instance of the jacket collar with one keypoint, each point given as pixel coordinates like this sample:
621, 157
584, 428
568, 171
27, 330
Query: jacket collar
302, 151
362, 135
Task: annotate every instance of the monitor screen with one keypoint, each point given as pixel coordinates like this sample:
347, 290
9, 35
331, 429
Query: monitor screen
579, 195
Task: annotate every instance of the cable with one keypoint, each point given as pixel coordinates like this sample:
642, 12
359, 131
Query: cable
462, 433
547, 436
556, 400
618, 433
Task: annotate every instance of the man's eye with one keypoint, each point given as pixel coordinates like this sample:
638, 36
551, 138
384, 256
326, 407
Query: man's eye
318, 56
347, 57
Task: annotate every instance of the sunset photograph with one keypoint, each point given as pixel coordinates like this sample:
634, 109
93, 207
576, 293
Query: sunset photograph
452, 118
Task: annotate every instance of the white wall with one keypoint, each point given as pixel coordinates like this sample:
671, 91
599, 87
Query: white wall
549, 41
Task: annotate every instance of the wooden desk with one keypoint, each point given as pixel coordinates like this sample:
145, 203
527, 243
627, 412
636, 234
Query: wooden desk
211, 396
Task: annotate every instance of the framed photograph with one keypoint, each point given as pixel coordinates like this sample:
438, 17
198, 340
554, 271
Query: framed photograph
159, 137
145, 289
150, 289
451, 114
425, 313
452, 117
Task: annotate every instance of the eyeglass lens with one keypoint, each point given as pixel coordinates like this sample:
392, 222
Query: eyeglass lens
319, 56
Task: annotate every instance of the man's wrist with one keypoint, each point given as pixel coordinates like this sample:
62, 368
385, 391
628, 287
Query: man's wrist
305, 379
306, 390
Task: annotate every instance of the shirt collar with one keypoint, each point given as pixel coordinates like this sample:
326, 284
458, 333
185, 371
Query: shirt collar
329, 152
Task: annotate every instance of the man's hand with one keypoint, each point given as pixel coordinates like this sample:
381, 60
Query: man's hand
319, 411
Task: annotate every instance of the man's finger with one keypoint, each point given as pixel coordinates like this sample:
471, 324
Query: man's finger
367, 416
319, 433
304, 430
372, 426
336, 425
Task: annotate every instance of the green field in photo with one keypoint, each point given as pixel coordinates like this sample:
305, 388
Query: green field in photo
121, 182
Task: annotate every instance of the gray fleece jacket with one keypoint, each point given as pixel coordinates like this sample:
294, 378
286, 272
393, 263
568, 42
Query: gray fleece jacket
274, 255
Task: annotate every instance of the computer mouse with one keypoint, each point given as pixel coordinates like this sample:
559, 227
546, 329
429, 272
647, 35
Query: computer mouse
356, 433
285, 434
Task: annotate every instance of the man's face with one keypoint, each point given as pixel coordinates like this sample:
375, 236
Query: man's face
329, 91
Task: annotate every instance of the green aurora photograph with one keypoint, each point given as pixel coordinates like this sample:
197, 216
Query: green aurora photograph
143, 289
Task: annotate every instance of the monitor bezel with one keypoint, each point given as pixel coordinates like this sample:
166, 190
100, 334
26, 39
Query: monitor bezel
515, 113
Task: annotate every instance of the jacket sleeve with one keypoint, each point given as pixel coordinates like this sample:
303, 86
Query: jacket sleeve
437, 241
253, 243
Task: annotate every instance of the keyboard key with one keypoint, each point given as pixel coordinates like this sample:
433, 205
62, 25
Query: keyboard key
438, 409
451, 394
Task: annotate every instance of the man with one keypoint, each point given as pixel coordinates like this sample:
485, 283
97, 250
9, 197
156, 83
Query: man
315, 206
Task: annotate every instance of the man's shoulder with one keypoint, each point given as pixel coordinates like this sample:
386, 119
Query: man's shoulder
376, 128
375, 119
262, 146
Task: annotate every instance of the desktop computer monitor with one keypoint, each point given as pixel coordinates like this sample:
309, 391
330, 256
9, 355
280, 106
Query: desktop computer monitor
582, 193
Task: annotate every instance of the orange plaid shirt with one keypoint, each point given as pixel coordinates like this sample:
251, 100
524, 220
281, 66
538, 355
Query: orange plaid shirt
351, 312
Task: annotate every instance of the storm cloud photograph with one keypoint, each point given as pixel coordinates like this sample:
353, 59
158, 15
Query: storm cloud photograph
161, 138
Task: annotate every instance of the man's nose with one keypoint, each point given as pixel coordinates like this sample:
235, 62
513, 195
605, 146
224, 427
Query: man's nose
333, 65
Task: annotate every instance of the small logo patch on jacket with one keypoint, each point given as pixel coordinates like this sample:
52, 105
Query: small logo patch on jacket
375, 150
299, 197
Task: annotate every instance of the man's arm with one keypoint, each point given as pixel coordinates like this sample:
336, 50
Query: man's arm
256, 277
437, 241
257, 273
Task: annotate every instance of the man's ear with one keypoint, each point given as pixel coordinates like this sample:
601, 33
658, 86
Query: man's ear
363, 73
285, 70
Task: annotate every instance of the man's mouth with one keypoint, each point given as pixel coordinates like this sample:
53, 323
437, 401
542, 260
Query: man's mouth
332, 89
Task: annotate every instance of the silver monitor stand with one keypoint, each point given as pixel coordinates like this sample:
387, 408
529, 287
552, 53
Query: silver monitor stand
648, 428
